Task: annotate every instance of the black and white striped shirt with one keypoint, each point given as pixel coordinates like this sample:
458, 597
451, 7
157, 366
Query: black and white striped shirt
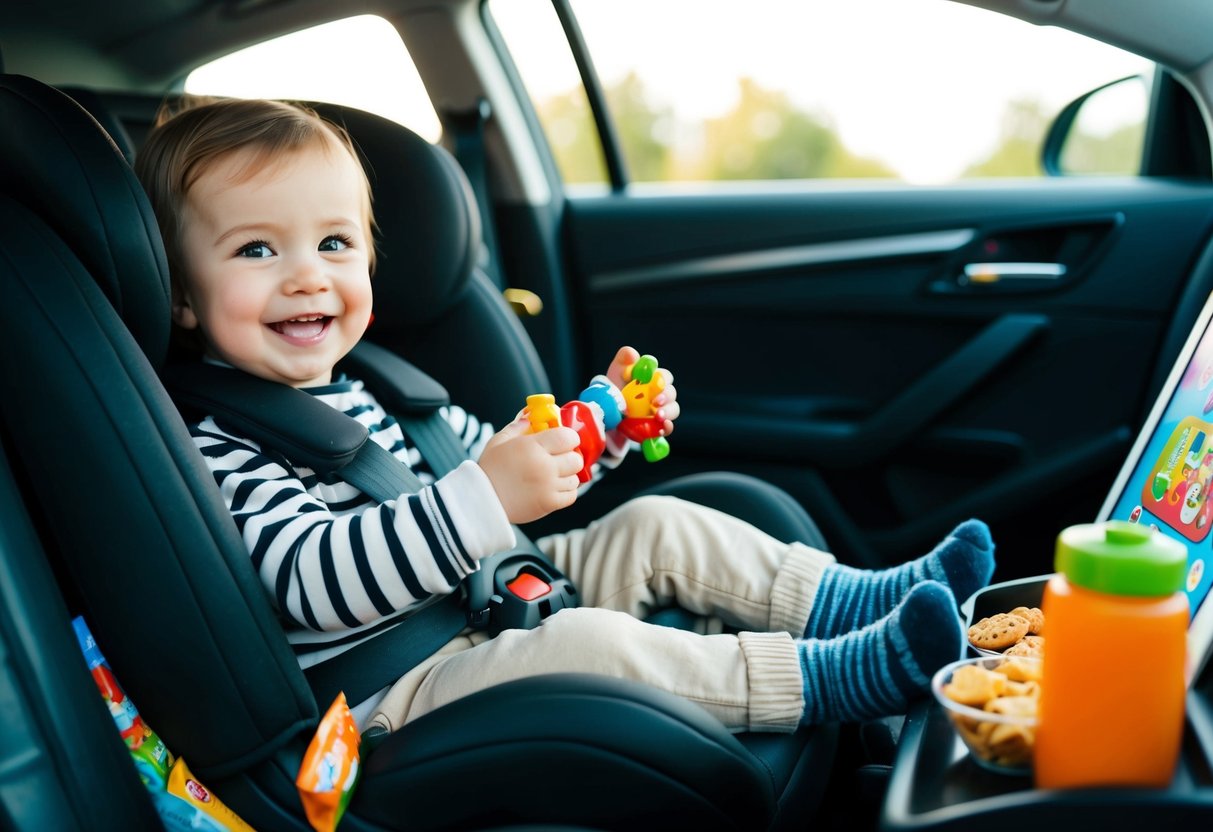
337, 565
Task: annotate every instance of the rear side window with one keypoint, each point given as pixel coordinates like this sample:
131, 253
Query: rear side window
358, 62
917, 91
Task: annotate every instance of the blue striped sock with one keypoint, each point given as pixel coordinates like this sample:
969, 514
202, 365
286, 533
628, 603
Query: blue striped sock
849, 598
876, 671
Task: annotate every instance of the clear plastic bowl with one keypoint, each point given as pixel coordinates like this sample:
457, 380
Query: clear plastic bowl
1001, 742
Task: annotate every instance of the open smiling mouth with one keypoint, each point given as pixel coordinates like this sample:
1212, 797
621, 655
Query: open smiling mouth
303, 330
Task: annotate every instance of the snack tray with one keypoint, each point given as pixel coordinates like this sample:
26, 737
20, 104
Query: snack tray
936, 786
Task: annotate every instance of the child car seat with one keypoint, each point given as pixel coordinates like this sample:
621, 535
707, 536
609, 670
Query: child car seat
151, 557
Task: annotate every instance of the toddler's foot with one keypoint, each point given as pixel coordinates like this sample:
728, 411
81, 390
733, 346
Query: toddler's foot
849, 598
876, 671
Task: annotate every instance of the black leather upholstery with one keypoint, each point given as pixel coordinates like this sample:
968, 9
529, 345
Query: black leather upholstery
92, 201
127, 505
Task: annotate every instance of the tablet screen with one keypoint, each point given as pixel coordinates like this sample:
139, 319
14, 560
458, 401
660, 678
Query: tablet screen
1166, 480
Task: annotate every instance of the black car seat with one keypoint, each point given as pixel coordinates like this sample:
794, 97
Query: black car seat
148, 552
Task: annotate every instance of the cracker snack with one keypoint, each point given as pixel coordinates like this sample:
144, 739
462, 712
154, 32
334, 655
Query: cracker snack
1006, 694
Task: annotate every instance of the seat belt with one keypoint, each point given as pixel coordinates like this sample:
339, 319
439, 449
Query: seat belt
308, 432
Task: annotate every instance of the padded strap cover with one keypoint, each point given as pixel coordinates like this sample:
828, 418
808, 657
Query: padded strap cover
296, 424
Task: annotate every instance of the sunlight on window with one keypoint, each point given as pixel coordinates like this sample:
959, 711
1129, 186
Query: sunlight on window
358, 62
924, 91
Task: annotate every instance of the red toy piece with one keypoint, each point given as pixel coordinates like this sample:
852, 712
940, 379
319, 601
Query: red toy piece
542, 414
581, 417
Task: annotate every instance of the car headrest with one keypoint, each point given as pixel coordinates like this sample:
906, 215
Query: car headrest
58, 161
110, 123
426, 211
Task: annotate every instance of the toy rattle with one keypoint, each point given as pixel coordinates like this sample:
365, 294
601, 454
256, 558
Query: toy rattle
641, 424
598, 409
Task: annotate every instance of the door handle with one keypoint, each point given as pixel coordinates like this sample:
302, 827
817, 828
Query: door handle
986, 274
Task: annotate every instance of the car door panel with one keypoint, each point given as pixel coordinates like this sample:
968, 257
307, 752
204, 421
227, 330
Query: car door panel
831, 341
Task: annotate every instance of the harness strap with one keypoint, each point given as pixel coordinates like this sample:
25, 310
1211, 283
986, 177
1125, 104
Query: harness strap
372, 665
308, 432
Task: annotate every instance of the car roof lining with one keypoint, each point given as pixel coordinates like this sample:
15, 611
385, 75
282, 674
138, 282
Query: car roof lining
147, 36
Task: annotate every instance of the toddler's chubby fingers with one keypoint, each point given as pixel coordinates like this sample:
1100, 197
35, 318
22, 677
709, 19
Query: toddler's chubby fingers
567, 465
559, 440
518, 427
670, 412
668, 395
620, 371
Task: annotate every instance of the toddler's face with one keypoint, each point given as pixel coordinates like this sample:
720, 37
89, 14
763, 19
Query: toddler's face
276, 273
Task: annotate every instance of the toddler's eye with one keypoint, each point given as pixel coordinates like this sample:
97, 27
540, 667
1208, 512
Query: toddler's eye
334, 242
257, 248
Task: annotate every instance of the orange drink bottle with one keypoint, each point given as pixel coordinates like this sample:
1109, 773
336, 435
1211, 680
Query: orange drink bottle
1112, 692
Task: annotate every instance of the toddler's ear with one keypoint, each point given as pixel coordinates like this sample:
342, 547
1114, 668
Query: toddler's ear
183, 313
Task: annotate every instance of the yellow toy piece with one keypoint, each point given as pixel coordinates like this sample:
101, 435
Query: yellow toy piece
542, 412
646, 384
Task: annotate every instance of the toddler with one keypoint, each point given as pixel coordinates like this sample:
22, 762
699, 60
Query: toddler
266, 216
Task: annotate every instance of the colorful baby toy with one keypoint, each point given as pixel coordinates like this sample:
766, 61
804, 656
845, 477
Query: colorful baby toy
599, 408
641, 424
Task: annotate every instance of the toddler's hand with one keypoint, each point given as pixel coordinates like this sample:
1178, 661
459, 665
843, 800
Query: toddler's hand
533, 474
620, 371
665, 403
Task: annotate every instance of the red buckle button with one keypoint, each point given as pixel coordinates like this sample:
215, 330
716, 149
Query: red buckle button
527, 587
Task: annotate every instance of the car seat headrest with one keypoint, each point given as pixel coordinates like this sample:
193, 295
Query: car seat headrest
58, 161
110, 123
429, 227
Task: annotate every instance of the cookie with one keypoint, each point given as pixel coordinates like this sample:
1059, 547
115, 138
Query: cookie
1035, 618
998, 631
1029, 645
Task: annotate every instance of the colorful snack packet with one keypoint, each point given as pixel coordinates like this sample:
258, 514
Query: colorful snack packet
151, 756
330, 767
188, 806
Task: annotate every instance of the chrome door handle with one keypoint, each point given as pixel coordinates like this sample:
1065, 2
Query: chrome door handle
990, 273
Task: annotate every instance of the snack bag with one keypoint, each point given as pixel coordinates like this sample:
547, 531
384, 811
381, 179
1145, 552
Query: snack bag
188, 806
152, 759
330, 767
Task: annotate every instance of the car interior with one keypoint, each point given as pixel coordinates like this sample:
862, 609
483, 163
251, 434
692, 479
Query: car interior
873, 398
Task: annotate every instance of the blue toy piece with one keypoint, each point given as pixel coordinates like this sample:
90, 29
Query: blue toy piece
599, 393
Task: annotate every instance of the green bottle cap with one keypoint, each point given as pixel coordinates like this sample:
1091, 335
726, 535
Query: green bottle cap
1121, 558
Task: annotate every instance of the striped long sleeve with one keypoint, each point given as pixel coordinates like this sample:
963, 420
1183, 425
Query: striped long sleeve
330, 557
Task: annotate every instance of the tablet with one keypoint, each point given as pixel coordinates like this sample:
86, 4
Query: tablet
1166, 479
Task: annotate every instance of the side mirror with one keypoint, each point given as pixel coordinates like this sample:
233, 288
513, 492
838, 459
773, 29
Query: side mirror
1100, 132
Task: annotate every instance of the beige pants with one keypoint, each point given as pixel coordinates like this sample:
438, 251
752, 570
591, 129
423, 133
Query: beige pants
650, 553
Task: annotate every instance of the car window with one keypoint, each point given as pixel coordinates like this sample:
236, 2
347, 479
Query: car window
920, 91
359, 62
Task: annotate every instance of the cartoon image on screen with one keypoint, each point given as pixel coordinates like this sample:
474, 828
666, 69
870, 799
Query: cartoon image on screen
1168, 483
1177, 488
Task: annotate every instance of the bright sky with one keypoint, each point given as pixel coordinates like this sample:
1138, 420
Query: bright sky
919, 84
